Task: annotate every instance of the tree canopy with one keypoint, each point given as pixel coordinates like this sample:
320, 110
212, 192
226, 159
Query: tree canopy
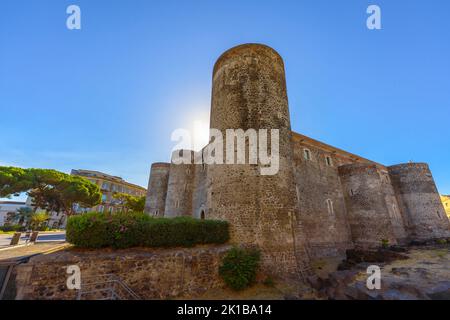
50, 189
130, 202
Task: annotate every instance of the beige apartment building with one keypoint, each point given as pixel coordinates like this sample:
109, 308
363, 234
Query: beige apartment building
446, 203
109, 185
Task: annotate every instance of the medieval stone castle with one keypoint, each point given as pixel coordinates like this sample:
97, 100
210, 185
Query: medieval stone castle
322, 201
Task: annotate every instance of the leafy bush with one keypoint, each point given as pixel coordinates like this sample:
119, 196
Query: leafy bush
10, 228
125, 230
239, 267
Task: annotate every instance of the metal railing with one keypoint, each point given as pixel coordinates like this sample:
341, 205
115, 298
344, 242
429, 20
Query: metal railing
6, 275
105, 287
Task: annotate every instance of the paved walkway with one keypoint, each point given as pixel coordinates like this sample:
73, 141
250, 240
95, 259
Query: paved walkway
19, 252
5, 239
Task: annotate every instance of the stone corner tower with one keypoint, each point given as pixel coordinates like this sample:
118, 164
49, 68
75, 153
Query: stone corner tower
157, 189
419, 198
249, 92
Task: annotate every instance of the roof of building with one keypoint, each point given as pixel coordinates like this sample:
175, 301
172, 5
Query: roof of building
331, 149
13, 202
101, 175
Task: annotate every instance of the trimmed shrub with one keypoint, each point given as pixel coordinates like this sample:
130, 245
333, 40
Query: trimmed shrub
125, 230
239, 267
10, 228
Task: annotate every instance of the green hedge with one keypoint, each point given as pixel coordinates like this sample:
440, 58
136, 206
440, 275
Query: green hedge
125, 230
15, 227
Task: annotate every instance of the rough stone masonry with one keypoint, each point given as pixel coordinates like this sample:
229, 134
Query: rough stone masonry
322, 201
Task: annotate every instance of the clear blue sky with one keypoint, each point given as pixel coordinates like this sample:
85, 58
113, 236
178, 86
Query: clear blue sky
108, 96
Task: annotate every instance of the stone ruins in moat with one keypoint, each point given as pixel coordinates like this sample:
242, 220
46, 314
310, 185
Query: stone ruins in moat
322, 201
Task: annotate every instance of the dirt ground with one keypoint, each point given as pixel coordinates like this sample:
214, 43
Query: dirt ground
425, 274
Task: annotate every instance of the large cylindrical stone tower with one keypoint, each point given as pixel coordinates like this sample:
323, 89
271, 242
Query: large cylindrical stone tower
157, 189
367, 212
418, 197
180, 186
249, 92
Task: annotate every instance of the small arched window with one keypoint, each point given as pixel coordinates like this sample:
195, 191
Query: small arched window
202, 215
328, 161
330, 207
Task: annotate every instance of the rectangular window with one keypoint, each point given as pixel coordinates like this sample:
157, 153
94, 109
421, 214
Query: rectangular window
307, 154
330, 206
328, 161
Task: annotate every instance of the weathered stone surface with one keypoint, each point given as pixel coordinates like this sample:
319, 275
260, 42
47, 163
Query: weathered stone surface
180, 185
419, 199
150, 273
367, 209
249, 92
157, 189
422, 274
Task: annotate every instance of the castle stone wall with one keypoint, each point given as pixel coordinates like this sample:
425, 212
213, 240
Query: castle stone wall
199, 195
150, 273
398, 220
321, 202
367, 211
249, 92
180, 186
312, 208
157, 189
419, 200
